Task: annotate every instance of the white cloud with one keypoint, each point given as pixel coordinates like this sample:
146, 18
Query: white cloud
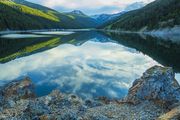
89, 6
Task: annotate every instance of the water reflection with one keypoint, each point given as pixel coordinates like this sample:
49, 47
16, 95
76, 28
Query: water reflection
165, 51
12, 48
17, 36
89, 64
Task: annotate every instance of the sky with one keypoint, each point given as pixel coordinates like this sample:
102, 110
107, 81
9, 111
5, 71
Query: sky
90, 7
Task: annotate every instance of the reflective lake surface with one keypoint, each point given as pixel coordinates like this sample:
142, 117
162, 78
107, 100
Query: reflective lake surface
88, 63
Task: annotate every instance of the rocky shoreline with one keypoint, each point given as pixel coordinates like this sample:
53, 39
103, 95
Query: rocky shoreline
156, 95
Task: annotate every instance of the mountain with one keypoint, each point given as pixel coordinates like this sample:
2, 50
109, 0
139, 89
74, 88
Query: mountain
83, 19
156, 15
77, 12
23, 15
134, 6
104, 18
32, 5
109, 18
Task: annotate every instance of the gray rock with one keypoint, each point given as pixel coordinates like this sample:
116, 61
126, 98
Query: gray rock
11, 103
99, 117
36, 108
157, 84
1, 100
18, 101
68, 116
16, 90
91, 103
74, 99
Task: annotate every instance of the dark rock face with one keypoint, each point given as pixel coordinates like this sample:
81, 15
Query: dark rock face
157, 84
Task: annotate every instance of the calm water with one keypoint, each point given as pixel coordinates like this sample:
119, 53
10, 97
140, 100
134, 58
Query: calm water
89, 63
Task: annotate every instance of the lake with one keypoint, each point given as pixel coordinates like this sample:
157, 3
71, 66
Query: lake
87, 63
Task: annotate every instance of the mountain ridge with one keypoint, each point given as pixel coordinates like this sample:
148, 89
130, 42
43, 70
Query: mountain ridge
24, 15
104, 19
156, 15
77, 12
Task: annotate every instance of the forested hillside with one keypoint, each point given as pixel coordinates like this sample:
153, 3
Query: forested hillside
158, 14
23, 15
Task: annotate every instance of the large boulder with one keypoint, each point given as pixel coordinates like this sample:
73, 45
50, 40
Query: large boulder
20, 89
157, 84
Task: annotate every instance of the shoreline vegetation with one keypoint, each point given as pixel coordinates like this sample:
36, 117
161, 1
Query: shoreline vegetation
156, 95
157, 15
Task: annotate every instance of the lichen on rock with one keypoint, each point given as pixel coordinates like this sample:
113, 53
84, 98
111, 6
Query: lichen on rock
16, 90
157, 84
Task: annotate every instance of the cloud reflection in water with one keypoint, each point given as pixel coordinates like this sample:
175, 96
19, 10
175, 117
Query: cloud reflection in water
90, 70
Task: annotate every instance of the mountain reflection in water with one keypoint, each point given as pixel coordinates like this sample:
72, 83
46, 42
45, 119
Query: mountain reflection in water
89, 63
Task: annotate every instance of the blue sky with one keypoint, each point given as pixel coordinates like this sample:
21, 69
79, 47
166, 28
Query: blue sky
89, 6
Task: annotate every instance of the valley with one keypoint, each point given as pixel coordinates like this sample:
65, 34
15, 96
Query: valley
89, 60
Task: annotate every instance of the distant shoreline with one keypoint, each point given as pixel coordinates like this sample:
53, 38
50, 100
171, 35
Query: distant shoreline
172, 31
42, 30
156, 32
